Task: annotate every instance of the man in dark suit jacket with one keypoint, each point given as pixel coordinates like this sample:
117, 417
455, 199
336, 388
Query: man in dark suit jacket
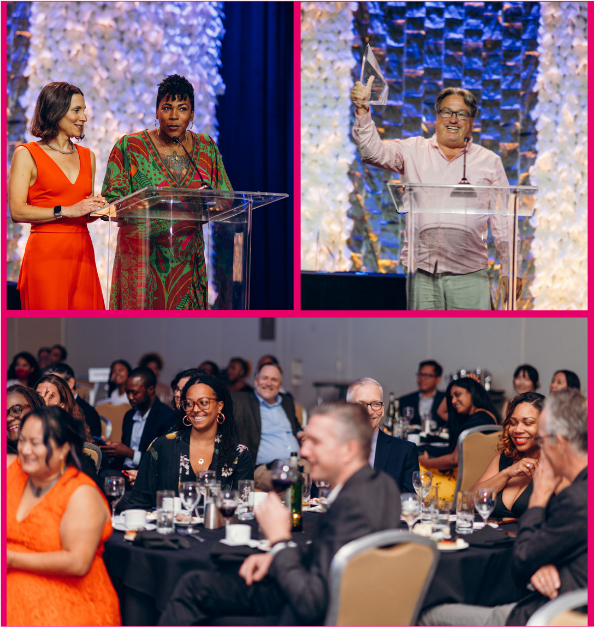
395, 456
362, 501
428, 378
551, 549
148, 419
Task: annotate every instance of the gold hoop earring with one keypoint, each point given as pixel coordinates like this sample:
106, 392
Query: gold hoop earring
189, 423
219, 415
62, 466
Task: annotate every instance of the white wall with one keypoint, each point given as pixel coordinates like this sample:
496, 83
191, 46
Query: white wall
386, 349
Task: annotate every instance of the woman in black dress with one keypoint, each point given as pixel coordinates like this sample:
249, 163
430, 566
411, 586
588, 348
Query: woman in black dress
205, 438
510, 472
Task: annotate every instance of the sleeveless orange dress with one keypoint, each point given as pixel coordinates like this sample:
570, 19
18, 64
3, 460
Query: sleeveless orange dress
43, 600
58, 271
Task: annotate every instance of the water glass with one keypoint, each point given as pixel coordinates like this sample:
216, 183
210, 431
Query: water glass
410, 508
306, 489
465, 512
190, 496
165, 500
245, 510
430, 500
165, 523
484, 501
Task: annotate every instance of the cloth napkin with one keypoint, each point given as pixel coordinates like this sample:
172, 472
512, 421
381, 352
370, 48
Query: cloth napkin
488, 537
150, 539
229, 554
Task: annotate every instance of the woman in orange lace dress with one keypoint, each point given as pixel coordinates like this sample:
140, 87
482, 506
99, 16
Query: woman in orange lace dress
57, 523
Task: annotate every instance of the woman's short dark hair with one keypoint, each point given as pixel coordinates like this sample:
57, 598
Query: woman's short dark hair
213, 366
34, 399
34, 373
147, 358
226, 431
530, 371
505, 445
480, 397
112, 385
52, 105
175, 87
573, 381
469, 99
244, 365
61, 427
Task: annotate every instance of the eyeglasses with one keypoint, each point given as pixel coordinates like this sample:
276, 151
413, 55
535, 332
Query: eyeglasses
541, 439
203, 404
426, 375
375, 405
16, 410
448, 113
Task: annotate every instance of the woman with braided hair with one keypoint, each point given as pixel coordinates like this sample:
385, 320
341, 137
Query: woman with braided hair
205, 438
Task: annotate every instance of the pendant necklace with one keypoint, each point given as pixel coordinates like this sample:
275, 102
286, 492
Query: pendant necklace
39, 491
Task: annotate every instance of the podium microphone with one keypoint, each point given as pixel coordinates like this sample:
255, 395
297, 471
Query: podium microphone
462, 192
205, 185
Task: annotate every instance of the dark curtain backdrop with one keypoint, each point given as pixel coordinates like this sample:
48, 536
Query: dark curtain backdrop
256, 135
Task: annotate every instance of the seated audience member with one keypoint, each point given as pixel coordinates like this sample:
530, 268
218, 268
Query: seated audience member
23, 370
265, 421
43, 357
209, 367
155, 362
469, 405
92, 418
551, 549
204, 439
178, 383
266, 359
395, 456
525, 380
146, 420
510, 473
54, 539
20, 400
57, 354
564, 379
119, 372
363, 500
237, 370
427, 399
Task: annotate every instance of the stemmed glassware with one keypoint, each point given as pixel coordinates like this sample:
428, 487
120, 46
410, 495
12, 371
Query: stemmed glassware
484, 502
205, 478
115, 487
283, 475
410, 508
228, 502
190, 496
422, 481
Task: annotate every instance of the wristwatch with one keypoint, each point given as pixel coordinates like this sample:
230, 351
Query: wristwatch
281, 545
58, 212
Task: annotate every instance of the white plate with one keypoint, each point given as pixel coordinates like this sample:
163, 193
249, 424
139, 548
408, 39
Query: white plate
117, 525
446, 547
250, 543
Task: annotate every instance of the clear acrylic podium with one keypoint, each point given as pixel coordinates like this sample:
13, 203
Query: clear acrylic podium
446, 235
179, 231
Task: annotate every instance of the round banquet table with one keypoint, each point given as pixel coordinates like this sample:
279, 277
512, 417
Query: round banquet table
145, 579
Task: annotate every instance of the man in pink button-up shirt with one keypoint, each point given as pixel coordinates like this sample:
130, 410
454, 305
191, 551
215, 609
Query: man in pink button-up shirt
451, 256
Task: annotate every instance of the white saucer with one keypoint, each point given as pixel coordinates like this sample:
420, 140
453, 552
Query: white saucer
446, 547
118, 525
250, 543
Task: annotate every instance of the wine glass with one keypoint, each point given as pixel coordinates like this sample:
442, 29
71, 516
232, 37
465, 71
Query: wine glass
190, 496
484, 501
228, 501
204, 478
323, 492
283, 475
115, 487
410, 508
422, 481
408, 413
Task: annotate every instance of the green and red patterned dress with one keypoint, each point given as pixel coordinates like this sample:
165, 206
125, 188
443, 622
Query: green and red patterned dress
175, 278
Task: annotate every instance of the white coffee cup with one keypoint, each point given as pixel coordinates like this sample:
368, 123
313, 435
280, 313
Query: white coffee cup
414, 438
238, 533
177, 505
134, 519
259, 497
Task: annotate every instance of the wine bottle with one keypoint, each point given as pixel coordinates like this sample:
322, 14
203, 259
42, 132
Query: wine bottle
391, 413
296, 495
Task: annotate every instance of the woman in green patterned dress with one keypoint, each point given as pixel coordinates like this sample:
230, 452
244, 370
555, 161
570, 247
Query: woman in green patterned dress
175, 277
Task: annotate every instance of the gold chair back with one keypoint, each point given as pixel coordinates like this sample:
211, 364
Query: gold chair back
115, 413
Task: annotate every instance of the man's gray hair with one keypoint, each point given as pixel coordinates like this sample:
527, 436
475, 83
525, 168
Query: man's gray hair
469, 99
567, 416
352, 423
364, 381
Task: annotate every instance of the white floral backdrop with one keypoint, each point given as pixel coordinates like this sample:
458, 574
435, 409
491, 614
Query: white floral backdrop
560, 245
326, 150
117, 53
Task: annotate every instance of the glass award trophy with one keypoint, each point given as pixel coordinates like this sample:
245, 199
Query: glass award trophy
379, 86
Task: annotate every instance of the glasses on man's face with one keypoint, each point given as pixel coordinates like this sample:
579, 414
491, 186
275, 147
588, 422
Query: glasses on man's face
203, 404
374, 405
541, 439
16, 410
426, 375
446, 114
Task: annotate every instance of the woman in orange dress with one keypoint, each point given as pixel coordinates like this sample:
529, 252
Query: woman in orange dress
50, 185
57, 523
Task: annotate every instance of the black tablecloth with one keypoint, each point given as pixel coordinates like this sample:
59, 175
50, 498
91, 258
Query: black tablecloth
145, 579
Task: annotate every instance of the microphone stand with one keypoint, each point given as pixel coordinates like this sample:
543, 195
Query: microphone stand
463, 192
175, 140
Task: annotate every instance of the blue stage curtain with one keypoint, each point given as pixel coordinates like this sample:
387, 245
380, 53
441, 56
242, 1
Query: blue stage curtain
255, 119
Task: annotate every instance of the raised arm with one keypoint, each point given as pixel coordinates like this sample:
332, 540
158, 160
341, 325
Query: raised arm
493, 478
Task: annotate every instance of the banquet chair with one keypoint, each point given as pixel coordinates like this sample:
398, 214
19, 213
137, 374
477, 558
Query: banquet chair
91, 450
476, 448
562, 611
115, 414
381, 579
106, 427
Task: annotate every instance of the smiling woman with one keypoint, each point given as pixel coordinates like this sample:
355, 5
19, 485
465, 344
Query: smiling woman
50, 185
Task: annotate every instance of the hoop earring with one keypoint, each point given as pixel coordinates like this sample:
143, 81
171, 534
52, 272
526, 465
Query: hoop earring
189, 423
219, 415
191, 123
156, 123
